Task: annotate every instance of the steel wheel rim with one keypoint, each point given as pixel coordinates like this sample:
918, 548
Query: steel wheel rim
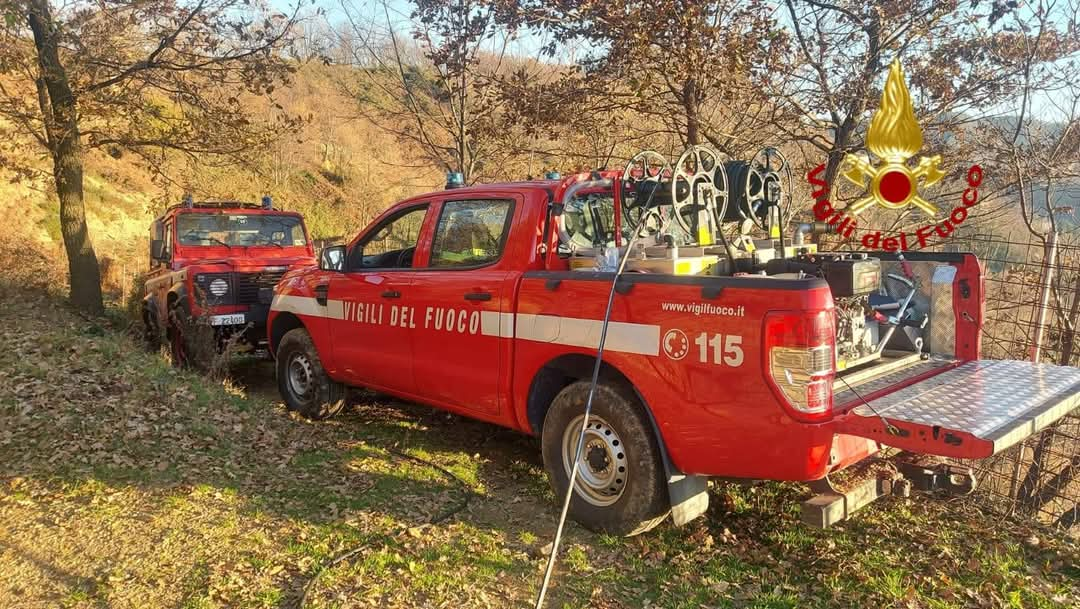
300, 375
604, 468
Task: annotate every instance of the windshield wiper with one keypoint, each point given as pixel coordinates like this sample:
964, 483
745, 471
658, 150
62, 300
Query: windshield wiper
186, 235
270, 241
216, 240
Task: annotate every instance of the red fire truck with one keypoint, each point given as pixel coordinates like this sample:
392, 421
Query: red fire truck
218, 262
751, 358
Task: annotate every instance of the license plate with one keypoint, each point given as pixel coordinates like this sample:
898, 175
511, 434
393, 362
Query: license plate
232, 319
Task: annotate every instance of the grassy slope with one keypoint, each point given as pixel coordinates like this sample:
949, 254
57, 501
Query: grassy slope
126, 484
119, 210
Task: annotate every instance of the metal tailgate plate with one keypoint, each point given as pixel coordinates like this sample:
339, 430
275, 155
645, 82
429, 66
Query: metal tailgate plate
972, 411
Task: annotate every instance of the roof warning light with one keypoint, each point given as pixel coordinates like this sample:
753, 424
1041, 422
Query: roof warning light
454, 179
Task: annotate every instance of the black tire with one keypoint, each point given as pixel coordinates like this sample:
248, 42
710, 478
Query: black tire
323, 397
179, 326
635, 503
151, 331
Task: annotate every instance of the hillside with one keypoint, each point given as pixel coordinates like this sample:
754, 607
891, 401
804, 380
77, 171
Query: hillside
339, 171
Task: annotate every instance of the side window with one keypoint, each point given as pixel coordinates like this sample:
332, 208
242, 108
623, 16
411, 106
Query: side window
470, 233
392, 244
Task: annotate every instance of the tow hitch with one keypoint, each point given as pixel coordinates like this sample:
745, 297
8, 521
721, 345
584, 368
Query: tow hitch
928, 474
834, 501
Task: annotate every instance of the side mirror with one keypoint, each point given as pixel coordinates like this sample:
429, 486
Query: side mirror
157, 249
332, 258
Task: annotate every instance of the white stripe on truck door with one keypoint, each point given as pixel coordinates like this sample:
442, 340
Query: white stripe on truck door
643, 339
304, 305
623, 337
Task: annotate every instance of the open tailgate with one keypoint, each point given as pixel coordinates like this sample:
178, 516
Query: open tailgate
971, 411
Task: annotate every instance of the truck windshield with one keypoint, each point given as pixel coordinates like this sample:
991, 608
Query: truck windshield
239, 229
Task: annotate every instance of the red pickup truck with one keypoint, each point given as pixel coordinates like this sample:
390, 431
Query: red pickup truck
788, 366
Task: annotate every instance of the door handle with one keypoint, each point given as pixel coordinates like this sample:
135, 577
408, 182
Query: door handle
321, 292
478, 296
391, 294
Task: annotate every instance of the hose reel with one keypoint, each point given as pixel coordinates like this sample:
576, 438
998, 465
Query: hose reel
757, 186
643, 180
698, 194
699, 184
694, 192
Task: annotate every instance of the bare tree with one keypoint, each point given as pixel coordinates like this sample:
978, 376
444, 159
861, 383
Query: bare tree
683, 68
964, 62
432, 91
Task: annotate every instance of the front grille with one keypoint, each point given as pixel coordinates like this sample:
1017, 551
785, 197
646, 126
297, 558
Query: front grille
249, 284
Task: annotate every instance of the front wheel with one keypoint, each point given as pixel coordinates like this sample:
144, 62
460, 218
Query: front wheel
151, 338
302, 381
179, 327
621, 486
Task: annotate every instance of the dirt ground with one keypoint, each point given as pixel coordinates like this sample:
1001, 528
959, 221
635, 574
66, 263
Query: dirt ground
124, 483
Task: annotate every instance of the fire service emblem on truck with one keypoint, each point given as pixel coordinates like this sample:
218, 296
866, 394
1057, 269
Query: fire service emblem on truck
894, 138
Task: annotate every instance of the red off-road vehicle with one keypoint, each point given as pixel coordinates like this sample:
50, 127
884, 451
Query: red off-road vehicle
217, 263
760, 359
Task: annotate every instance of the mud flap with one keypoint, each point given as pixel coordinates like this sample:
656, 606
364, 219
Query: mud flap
689, 497
970, 411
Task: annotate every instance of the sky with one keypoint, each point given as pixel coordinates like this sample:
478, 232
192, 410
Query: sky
525, 44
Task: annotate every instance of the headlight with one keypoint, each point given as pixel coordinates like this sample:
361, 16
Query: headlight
219, 287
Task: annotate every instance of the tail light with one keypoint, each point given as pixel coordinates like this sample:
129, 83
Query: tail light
799, 362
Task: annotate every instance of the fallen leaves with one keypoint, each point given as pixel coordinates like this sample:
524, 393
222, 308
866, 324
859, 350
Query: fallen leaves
150, 488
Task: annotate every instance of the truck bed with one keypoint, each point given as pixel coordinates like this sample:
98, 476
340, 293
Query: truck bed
894, 369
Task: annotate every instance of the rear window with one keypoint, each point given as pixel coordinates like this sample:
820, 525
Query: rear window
470, 233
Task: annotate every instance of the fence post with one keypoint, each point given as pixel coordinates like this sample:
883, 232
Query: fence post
1014, 485
1044, 297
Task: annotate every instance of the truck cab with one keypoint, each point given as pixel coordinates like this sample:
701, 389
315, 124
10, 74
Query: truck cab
767, 361
213, 266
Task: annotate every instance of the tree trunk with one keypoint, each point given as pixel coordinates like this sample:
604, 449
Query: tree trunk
1068, 342
845, 131
690, 104
60, 113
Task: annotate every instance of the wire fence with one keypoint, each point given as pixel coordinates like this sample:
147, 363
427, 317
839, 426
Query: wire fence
1032, 312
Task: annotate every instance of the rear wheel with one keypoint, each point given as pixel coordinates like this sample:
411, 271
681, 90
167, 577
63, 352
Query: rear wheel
620, 487
302, 381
